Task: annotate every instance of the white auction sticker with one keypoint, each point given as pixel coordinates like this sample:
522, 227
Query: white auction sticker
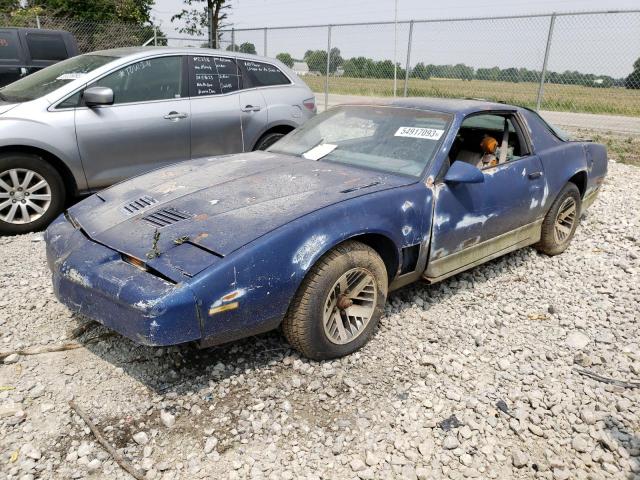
419, 132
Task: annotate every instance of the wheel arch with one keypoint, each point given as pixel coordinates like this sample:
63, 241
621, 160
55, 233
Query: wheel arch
282, 128
65, 172
580, 181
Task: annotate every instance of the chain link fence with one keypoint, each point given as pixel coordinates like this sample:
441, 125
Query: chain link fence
90, 36
581, 62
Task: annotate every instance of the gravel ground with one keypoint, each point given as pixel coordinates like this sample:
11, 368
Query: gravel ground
476, 377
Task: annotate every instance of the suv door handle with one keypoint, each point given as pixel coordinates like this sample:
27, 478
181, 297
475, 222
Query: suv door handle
534, 175
251, 108
175, 116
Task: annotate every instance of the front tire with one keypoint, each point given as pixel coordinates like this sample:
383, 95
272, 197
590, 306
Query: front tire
561, 221
339, 304
32, 193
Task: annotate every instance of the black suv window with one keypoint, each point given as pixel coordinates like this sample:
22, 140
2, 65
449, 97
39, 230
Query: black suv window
258, 74
145, 81
46, 46
9, 46
213, 75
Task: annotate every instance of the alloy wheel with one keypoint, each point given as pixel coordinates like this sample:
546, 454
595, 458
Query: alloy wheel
565, 220
350, 306
24, 196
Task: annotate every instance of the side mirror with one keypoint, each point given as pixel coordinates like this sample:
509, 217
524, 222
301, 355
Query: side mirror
463, 172
95, 96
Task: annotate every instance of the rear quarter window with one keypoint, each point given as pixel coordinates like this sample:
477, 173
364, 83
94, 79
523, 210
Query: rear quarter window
9, 46
46, 46
259, 74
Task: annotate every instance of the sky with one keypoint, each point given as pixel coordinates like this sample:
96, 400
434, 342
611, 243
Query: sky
605, 45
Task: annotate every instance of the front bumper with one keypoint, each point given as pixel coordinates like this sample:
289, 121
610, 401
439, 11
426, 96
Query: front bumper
95, 281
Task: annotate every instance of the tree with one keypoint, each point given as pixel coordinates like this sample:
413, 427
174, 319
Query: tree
317, 60
201, 16
420, 71
8, 6
286, 58
136, 11
247, 47
633, 80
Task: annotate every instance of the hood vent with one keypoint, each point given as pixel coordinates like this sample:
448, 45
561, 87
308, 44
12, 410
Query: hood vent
138, 205
165, 217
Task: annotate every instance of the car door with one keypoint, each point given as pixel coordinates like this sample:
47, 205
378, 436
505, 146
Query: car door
259, 80
475, 221
12, 59
147, 126
214, 84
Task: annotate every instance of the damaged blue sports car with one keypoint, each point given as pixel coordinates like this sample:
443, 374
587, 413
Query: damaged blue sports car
313, 233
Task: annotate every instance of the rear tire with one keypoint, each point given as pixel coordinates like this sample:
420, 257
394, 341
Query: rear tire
339, 304
32, 193
561, 221
267, 140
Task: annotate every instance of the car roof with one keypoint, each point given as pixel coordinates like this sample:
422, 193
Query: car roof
35, 30
135, 52
463, 106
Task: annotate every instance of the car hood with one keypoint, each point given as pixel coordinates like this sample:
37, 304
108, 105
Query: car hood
5, 107
219, 204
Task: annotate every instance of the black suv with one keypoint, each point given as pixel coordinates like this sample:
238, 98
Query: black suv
27, 50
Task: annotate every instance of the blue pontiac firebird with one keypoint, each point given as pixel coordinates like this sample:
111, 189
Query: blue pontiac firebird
313, 233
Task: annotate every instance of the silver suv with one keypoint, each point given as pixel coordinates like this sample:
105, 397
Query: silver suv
95, 119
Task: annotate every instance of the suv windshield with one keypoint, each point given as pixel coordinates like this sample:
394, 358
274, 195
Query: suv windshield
391, 139
51, 78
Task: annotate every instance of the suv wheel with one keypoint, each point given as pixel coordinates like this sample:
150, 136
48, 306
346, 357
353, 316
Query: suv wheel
267, 140
31, 193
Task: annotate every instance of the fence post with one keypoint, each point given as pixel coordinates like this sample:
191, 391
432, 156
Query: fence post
326, 80
155, 36
233, 39
265, 41
408, 66
552, 23
37, 20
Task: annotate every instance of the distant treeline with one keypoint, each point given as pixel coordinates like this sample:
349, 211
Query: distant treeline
363, 67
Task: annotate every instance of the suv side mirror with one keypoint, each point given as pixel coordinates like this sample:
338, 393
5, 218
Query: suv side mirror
463, 172
95, 96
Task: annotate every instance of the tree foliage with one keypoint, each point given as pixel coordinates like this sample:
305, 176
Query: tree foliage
195, 18
136, 11
633, 80
317, 60
286, 58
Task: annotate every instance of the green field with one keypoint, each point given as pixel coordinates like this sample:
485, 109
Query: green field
566, 98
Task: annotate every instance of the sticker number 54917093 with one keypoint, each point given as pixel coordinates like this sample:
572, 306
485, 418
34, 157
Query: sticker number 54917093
419, 132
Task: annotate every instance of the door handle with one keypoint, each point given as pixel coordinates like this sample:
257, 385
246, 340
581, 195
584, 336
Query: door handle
251, 108
175, 116
534, 175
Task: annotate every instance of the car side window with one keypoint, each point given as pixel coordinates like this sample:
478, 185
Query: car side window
46, 46
213, 76
152, 79
9, 46
259, 74
487, 140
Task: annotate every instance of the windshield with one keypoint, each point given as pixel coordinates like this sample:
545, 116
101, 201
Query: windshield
390, 139
47, 80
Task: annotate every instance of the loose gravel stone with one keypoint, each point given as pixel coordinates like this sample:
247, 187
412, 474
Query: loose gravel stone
500, 348
141, 438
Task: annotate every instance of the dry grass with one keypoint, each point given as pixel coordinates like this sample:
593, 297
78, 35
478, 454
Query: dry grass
621, 148
617, 101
